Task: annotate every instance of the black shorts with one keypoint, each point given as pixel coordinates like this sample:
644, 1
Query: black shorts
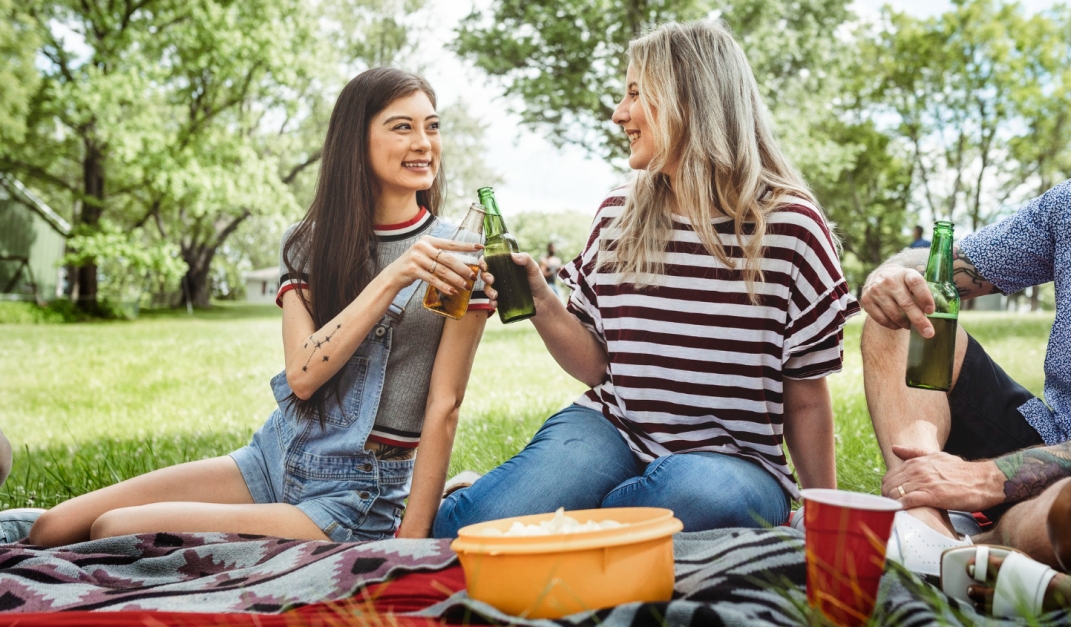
986, 422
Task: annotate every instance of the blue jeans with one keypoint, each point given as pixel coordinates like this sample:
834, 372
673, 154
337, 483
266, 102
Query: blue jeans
578, 460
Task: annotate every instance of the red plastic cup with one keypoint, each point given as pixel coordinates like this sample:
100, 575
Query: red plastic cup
846, 536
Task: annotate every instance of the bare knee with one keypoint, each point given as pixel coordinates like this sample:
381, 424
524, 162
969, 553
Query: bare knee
52, 529
111, 524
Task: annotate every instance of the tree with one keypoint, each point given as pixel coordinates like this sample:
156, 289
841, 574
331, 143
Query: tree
187, 117
565, 60
18, 43
949, 82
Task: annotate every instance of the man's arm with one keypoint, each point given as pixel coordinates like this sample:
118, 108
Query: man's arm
1029, 472
896, 296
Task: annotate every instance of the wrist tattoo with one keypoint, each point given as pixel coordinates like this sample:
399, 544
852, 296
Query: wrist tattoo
1030, 471
317, 345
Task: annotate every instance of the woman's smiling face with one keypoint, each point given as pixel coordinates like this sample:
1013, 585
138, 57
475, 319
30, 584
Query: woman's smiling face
630, 116
404, 145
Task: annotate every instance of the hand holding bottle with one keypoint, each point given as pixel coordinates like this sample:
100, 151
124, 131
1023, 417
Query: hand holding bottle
897, 298
540, 289
430, 260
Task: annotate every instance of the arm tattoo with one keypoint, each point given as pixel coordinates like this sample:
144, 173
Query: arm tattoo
968, 279
317, 345
1032, 470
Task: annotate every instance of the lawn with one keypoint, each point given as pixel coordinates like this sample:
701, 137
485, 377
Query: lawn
86, 405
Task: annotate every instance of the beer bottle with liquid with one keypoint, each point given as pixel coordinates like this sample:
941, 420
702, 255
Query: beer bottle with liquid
929, 361
470, 232
515, 300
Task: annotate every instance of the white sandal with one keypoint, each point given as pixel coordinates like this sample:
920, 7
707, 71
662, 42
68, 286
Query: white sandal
1021, 581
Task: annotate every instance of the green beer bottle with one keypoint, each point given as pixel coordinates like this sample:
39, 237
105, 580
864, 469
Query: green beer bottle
511, 281
929, 361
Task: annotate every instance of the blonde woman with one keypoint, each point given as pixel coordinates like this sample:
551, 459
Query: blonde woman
706, 312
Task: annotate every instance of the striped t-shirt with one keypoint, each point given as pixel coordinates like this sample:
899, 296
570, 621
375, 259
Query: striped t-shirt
693, 365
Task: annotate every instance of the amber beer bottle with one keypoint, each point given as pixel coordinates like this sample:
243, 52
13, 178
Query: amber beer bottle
515, 300
470, 231
929, 361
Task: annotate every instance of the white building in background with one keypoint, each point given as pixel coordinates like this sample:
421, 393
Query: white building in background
261, 285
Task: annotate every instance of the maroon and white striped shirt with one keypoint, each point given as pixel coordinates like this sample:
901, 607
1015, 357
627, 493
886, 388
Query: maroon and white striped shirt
694, 366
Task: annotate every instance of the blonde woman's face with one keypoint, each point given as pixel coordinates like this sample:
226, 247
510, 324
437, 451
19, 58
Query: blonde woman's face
630, 116
404, 145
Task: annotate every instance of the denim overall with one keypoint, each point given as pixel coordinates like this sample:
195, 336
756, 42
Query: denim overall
325, 471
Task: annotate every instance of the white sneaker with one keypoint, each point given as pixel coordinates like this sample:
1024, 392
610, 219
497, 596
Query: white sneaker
917, 547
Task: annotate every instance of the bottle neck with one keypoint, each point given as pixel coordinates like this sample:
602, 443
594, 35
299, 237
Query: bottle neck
493, 225
939, 266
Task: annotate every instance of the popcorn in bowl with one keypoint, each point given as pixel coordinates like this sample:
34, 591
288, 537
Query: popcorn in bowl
559, 524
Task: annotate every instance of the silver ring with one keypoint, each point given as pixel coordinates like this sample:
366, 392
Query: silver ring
434, 267
900, 489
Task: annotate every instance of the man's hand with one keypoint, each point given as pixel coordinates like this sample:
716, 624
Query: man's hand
943, 481
897, 297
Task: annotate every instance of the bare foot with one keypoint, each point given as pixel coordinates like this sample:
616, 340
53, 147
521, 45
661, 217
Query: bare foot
936, 519
1059, 526
1057, 596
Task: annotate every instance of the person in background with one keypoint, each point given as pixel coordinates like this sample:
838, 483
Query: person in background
549, 265
919, 241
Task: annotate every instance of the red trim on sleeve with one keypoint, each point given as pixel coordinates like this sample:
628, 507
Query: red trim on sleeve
286, 288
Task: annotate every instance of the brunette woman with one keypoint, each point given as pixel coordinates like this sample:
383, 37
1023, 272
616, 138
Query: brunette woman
370, 373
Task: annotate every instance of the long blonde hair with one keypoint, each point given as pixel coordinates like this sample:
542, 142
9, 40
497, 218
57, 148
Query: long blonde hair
701, 99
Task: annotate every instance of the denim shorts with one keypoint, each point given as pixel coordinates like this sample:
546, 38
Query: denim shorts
352, 499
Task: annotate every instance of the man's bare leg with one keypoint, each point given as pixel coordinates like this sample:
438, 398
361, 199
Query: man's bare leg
1037, 526
901, 415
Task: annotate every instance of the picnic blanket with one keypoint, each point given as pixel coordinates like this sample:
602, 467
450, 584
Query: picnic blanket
729, 577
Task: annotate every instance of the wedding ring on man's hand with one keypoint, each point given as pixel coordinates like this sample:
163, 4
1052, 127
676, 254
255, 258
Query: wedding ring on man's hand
900, 489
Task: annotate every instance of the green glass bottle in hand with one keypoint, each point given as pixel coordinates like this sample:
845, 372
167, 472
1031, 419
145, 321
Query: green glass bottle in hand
515, 300
929, 361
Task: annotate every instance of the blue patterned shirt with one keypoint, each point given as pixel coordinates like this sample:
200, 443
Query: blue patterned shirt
1030, 248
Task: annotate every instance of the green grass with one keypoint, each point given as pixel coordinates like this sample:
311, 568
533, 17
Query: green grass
86, 405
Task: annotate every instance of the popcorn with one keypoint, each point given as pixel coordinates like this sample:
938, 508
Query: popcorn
560, 523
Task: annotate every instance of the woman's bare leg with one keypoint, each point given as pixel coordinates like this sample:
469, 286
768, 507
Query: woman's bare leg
266, 519
215, 480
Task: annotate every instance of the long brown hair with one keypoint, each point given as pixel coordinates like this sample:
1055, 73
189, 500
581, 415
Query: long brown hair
336, 236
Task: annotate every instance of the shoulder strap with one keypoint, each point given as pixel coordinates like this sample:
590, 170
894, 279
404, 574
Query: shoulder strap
396, 309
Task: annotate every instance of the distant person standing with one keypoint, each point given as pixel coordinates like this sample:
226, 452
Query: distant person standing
549, 264
920, 242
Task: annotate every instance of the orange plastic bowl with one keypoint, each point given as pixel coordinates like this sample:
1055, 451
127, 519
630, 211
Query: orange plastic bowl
557, 575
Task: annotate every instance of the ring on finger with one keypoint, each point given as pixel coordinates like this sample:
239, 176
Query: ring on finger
900, 489
434, 267
437, 255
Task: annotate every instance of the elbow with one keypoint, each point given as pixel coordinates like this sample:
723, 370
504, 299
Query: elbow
299, 385
446, 410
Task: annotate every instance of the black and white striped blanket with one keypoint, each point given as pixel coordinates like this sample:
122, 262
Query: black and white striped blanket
750, 578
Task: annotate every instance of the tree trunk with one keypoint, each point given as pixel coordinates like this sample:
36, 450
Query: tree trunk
1035, 292
196, 284
92, 208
